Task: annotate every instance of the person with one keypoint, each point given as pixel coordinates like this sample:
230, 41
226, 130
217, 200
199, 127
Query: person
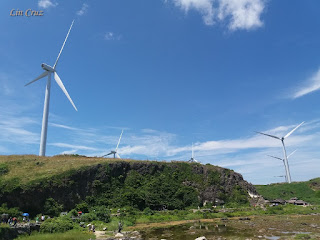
93, 228
42, 218
24, 219
37, 219
119, 227
14, 221
10, 221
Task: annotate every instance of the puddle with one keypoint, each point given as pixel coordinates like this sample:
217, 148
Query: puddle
193, 230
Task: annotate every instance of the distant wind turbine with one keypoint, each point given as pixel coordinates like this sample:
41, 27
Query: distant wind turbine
284, 149
115, 152
48, 70
282, 159
192, 155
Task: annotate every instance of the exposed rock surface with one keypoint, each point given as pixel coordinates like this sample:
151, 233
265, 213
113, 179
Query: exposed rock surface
72, 188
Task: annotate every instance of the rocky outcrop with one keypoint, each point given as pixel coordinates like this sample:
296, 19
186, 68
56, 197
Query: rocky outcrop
70, 188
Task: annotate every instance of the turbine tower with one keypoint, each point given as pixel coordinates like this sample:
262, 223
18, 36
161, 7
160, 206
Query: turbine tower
192, 155
284, 149
115, 152
48, 70
282, 159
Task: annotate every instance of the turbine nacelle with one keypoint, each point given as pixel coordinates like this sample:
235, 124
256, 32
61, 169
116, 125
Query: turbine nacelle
47, 67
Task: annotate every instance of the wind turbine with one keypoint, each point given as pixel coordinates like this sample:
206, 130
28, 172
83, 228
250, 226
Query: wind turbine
283, 162
284, 149
192, 156
115, 152
48, 70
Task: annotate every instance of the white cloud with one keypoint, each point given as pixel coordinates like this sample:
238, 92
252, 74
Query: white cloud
205, 7
77, 147
46, 3
312, 84
112, 36
241, 14
83, 9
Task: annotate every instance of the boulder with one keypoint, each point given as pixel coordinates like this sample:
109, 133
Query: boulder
201, 238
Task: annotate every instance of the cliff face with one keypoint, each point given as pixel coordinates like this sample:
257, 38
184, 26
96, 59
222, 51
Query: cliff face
135, 183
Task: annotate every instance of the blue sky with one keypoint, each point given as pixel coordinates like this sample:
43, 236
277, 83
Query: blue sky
169, 73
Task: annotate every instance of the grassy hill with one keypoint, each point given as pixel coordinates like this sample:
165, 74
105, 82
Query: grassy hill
308, 191
64, 182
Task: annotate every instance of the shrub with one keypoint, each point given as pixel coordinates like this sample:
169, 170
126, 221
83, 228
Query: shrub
52, 208
60, 224
147, 211
3, 169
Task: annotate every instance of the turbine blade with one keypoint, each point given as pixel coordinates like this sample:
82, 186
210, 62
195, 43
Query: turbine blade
59, 82
269, 135
42, 75
292, 153
119, 140
118, 156
55, 64
293, 130
192, 151
275, 157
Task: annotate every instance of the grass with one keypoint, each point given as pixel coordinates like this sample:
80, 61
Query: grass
28, 168
70, 235
307, 191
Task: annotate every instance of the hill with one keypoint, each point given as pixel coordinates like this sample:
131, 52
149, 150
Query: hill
308, 191
35, 183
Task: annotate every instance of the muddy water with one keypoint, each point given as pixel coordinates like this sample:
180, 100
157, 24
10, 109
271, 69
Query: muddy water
264, 227
193, 230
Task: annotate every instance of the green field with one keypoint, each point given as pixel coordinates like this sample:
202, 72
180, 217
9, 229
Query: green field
308, 191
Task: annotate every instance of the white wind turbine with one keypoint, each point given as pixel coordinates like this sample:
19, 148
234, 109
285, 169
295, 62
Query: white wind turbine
48, 70
282, 159
192, 159
115, 152
284, 149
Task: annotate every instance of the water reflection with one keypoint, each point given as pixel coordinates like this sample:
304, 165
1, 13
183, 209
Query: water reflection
193, 230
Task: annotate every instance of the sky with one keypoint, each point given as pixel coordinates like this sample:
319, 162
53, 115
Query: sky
169, 73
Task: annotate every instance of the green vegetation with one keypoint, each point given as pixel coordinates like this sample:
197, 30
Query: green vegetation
70, 235
308, 191
4, 168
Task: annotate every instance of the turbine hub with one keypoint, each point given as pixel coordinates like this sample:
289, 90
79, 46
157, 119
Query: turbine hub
47, 67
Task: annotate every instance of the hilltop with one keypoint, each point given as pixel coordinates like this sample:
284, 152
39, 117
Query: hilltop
308, 191
31, 183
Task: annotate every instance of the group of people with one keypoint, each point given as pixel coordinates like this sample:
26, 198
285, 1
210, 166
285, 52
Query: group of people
12, 221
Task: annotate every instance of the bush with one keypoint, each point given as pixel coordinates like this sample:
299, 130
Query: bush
52, 208
13, 212
3, 169
60, 224
88, 217
102, 213
147, 211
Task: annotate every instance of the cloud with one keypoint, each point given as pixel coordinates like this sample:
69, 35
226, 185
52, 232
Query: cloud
312, 84
244, 14
205, 7
83, 9
77, 147
112, 36
46, 4
13, 130
240, 14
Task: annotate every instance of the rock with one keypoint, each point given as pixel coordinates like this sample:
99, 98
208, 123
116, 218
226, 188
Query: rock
119, 235
262, 230
201, 238
244, 218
